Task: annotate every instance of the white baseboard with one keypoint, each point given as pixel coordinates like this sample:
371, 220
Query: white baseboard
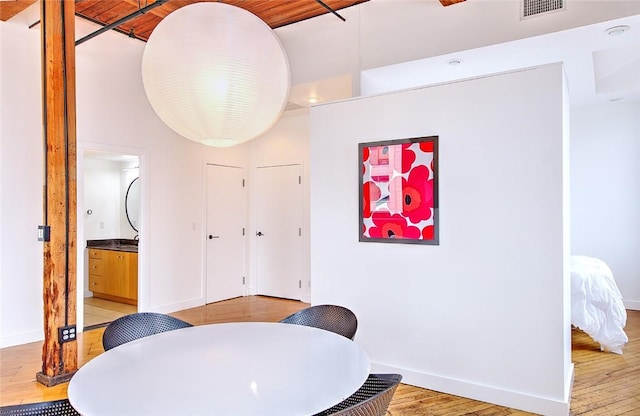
173, 307
632, 304
501, 397
569, 384
22, 338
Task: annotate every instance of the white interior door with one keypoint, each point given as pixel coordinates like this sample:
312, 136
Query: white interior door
225, 232
279, 248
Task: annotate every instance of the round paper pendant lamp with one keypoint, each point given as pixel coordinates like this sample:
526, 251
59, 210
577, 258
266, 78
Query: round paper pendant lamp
216, 74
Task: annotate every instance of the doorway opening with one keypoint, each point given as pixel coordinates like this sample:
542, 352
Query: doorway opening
108, 236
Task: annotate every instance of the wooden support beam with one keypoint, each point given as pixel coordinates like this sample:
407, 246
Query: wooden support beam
59, 359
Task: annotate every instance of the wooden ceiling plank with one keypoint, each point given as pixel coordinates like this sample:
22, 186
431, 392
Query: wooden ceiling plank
450, 2
85, 5
142, 27
8, 9
115, 13
278, 16
300, 10
275, 13
167, 8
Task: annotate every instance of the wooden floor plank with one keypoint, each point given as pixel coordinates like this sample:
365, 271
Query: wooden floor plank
605, 383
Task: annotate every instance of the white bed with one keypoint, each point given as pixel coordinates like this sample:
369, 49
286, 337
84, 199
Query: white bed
596, 303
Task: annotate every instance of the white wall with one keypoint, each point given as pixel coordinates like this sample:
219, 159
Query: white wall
21, 187
605, 190
458, 317
113, 115
2, 175
286, 143
485, 297
385, 32
394, 31
102, 196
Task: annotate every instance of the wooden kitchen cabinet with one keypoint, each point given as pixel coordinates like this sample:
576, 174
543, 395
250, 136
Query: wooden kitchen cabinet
113, 275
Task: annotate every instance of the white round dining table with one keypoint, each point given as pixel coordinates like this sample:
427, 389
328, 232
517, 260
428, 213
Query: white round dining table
249, 368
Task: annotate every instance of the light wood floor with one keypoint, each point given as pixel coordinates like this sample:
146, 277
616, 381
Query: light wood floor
605, 383
100, 311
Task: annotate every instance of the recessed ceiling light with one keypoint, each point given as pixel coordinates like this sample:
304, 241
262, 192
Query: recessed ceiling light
455, 61
313, 100
617, 30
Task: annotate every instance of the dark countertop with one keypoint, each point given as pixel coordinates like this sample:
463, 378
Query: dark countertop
115, 244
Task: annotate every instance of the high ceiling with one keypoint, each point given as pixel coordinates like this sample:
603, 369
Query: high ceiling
146, 14
371, 44
275, 13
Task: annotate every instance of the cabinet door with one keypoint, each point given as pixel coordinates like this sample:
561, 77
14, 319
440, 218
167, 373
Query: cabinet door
130, 276
114, 266
114, 275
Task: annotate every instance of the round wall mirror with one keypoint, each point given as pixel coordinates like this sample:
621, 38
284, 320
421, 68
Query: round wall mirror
132, 204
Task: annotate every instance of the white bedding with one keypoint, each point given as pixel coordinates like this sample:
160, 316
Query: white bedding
596, 303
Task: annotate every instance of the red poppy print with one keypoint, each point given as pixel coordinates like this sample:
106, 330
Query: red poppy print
399, 186
428, 232
387, 225
365, 158
426, 147
412, 197
370, 194
417, 195
408, 157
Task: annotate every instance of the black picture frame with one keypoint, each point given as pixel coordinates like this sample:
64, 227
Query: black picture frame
398, 191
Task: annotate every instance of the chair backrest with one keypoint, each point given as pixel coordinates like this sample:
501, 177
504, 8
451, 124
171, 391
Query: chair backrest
53, 408
333, 318
138, 325
372, 399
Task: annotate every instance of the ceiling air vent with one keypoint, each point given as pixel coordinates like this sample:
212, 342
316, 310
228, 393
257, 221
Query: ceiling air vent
532, 8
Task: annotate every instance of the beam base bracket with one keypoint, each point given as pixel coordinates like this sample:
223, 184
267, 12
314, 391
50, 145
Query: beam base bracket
53, 380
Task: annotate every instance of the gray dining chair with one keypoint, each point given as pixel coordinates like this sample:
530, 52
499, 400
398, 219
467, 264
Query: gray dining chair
138, 325
372, 399
332, 318
52, 408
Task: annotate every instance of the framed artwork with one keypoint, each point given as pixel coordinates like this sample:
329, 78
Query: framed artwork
398, 182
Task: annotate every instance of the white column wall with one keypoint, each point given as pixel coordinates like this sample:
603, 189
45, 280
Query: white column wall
21, 187
458, 317
605, 190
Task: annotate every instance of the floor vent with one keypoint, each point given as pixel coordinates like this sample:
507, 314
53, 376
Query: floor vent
532, 8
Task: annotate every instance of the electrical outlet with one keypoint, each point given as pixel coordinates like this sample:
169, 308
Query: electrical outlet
44, 232
66, 333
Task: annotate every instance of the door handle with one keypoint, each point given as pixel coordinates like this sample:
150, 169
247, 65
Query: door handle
211, 237
259, 234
